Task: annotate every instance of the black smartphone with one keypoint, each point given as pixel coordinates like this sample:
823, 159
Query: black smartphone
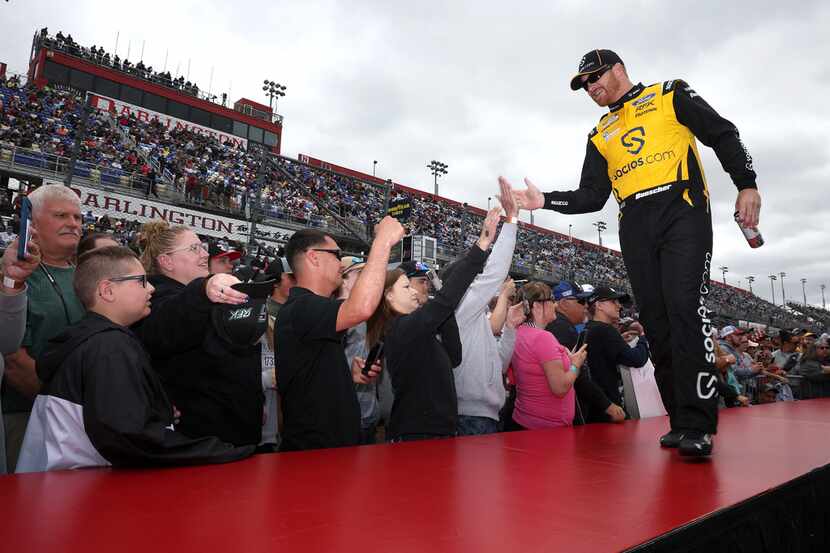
374, 354
255, 290
25, 228
580, 340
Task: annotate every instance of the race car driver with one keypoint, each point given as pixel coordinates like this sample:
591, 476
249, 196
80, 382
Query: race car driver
644, 151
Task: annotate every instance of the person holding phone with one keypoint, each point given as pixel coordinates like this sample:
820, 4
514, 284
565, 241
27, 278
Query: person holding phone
52, 304
571, 310
418, 363
15, 271
544, 370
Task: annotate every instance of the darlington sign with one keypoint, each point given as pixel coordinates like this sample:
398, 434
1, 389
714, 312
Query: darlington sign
102, 202
118, 107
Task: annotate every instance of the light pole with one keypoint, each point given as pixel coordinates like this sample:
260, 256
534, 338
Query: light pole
823, 304
782, 274
772, 279
570, 236
601, 226
724, 270
437, 169
489, 199
274, 91
804, 290
374, 167
750, 279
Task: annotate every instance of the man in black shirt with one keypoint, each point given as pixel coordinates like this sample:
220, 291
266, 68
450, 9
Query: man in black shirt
606, 347
571, 310
316, 385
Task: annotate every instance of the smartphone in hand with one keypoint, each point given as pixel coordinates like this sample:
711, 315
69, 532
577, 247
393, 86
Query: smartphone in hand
25, 228
374, 354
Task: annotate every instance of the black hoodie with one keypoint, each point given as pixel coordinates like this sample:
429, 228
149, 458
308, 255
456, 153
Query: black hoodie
102, 403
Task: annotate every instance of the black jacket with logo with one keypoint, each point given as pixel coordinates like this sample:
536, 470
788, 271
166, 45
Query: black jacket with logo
217, 389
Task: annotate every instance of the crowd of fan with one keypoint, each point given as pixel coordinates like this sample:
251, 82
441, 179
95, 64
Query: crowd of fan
99, 56
44, 121
204, 367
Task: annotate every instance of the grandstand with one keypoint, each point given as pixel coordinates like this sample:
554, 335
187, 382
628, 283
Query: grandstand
136, 146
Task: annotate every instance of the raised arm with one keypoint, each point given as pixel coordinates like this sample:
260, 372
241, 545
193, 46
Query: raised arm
368, 289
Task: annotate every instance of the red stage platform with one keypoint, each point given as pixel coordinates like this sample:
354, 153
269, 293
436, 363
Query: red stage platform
593, 489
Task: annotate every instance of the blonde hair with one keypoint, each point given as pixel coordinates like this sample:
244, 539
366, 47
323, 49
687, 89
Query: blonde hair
157, 238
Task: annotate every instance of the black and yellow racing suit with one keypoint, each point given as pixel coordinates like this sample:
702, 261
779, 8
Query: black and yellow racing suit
644, 151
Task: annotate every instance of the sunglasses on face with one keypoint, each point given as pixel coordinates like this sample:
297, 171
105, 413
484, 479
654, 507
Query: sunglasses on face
594, 77
336, 253
580, 301
140, 278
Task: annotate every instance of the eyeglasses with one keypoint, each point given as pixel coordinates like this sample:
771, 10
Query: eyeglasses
595, 76
580, 301
140, 278
336, 253
194, 248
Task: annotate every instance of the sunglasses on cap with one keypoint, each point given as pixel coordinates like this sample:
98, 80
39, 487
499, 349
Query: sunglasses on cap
595, 76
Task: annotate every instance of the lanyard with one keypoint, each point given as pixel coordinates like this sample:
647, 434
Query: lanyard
58, 291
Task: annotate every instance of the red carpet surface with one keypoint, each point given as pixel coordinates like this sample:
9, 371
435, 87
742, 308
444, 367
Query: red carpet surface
595, 488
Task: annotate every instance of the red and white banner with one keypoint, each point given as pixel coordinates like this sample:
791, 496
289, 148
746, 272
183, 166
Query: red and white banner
104, 103
132, 208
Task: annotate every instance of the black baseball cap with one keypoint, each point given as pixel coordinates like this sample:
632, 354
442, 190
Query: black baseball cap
414, 269
592, 62
605, 293
215, 251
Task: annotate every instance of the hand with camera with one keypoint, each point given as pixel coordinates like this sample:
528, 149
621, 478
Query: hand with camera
579, 356
15, 270
359, 377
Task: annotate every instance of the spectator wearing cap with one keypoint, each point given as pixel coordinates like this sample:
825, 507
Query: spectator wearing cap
416, 272
733, 341
354, 345
815, 361
279, 272
220, 259
571, 310
607, 348
320, 407
544, 370
479, 379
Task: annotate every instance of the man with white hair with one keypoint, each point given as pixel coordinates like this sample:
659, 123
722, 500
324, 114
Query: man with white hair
53, 305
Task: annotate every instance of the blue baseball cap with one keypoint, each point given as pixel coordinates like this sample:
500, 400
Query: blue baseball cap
565, 290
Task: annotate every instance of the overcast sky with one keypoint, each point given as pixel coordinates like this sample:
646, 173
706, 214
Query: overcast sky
483, 87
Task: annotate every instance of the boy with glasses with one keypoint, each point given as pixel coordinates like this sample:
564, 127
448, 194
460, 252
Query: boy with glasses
101, 403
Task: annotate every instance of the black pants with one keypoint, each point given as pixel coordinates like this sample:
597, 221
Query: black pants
666, 241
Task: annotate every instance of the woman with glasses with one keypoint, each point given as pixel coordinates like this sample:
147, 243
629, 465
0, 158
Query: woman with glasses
544, 370
215, 384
